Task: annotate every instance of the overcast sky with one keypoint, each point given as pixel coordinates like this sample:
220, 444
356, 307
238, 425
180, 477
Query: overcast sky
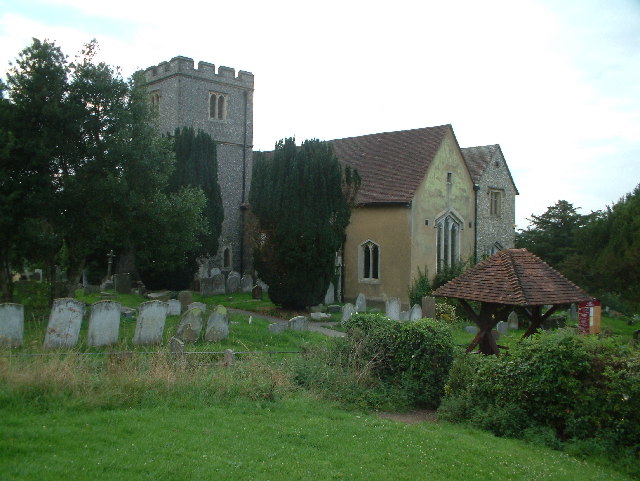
555, 82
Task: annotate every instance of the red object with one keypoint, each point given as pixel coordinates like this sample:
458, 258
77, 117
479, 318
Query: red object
584, 315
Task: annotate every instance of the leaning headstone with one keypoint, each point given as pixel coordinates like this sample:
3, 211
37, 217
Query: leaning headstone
217, 325
150, 324
233, 282
256, 292
176, 346
329, 297
429, 307
104, 323
185, 298
174, 307
393, 308
64, 323
502, 327
11, 325
200, 305
122, 283
190, 325
298, 323
415, 313
246, 283
361, 303
512, 320
347, 311
277, 327
472, 329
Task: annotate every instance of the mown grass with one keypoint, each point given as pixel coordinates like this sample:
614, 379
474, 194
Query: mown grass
162, 418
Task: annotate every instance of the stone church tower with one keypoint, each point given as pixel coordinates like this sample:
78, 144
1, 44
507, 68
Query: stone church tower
221, 104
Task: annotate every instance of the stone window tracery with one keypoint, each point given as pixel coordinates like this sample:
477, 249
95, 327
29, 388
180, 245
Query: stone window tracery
217, 106
448, 229
370, 266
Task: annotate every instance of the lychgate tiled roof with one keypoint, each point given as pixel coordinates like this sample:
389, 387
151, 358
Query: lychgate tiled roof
478, 158
515, 277
392, 164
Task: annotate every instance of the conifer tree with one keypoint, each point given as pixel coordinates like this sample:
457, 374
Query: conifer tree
301, 199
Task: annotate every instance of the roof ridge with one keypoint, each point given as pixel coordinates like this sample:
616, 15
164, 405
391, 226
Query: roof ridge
513, 276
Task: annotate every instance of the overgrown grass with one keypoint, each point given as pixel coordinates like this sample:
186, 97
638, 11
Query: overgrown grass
155, 417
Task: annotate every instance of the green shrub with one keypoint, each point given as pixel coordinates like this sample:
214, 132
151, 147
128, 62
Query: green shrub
416, 356
577, 387
421, 287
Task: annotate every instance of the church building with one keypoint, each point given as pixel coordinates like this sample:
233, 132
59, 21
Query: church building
424, 202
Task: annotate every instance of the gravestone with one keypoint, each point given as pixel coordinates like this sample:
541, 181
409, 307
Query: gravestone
277, 327
199, 305
347, 311
246, 283
472, 329
206, 286
264, 285
392, 308
502, 327
512, 320
190, 325
122, 283
185, 298
150, 324
429, 307
298, 323
176, 346
361, 303
329, 297
104, 323
404, 315
256, 292
217, 325
319, 316
415, 313
174, 307
11, 325
215, 271
218, 284
64, 323
333, 308
233, 282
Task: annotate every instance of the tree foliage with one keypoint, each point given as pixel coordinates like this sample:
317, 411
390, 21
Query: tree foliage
86, 169
301, 199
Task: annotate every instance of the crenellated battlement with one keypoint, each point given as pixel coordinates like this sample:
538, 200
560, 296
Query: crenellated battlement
185, 66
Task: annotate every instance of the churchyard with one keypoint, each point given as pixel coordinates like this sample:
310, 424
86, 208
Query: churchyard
130, 411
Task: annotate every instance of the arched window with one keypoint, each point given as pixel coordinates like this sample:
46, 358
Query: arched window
370, 265
448, 229
217, 106
226, 258
155, 101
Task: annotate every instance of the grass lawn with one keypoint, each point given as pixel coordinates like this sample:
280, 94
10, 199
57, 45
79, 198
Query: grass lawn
295, 438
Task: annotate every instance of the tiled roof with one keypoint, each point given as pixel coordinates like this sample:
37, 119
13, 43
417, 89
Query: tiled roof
514, 277
392, 164
478, 158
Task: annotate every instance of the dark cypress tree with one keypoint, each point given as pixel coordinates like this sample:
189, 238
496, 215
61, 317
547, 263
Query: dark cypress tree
301, 199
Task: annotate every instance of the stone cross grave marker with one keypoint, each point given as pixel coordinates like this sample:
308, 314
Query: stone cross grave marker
11, 325
64, 323
392, 308
217, 325
152, 316
190, 325
104, 323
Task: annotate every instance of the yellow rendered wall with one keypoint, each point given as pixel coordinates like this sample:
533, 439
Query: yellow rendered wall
433, 198
389, 228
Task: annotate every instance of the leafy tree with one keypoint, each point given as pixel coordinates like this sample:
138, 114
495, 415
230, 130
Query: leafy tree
551, 235
302, 200
89, 170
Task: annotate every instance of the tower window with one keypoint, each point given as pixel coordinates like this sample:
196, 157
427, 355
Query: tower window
226, 258
155, 101
217, 106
